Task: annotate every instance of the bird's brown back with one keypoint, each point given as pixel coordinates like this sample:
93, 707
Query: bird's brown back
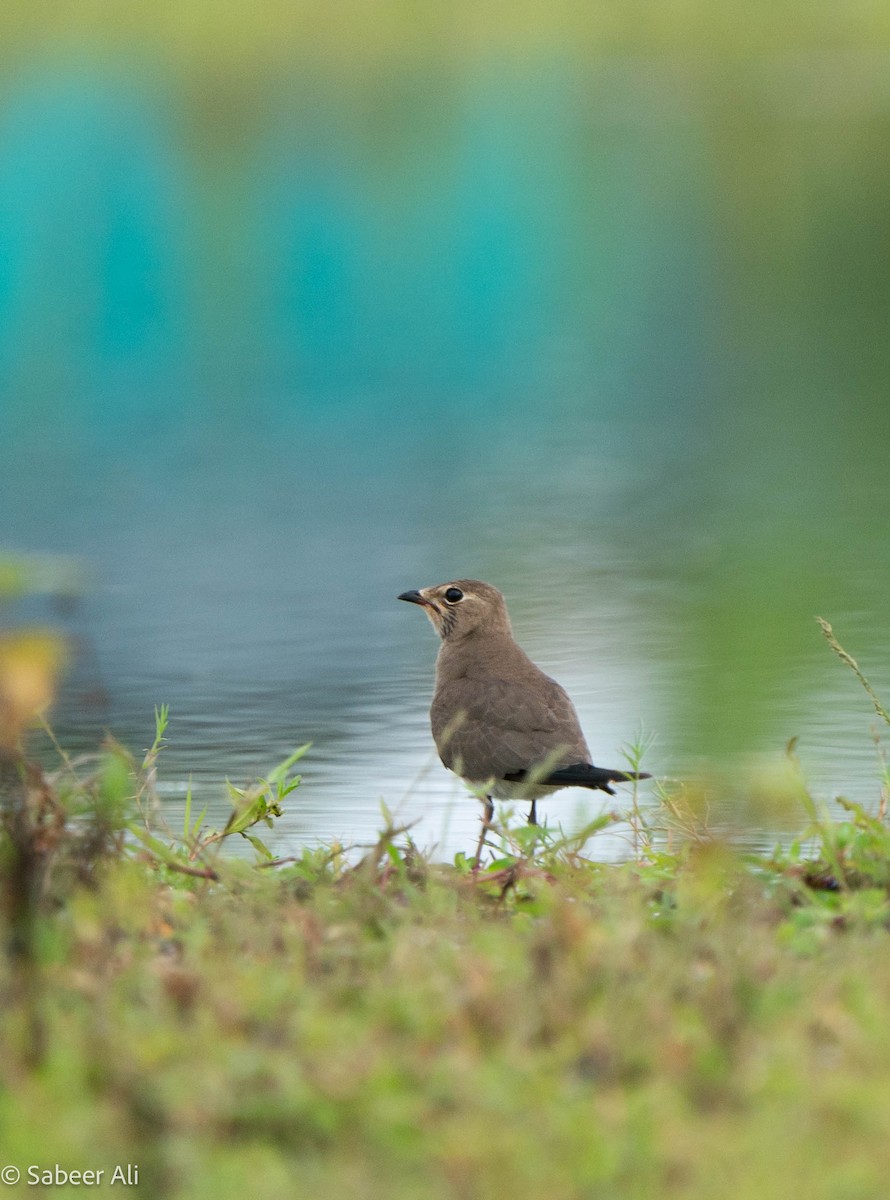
494, 712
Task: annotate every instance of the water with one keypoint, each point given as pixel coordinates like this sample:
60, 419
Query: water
611, 347
266, 616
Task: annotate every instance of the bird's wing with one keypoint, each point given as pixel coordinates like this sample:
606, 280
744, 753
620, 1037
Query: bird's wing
490, 728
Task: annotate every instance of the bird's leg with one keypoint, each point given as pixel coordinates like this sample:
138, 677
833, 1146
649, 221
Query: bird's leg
533, 813
486, 825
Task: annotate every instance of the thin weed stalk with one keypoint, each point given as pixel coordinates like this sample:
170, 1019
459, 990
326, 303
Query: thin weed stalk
851, 662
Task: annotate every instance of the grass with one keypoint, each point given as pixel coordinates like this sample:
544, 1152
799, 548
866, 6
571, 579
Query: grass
691, 1023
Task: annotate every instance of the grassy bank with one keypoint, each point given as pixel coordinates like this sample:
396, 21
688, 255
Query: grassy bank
691, 1023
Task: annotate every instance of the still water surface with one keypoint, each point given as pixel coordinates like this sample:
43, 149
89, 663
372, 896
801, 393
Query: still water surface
256, 594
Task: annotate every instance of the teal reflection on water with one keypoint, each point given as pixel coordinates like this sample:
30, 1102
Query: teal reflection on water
493, 235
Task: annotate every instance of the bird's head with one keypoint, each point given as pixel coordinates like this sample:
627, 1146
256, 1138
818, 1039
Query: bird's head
462, 607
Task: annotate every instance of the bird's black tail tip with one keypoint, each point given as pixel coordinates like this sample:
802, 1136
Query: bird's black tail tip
585, 775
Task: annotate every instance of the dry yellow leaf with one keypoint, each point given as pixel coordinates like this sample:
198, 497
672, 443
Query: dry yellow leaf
30, 662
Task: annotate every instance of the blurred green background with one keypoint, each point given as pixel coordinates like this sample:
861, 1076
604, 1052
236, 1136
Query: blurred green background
302, 305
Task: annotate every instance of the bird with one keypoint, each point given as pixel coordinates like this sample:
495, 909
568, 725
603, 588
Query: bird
502, 725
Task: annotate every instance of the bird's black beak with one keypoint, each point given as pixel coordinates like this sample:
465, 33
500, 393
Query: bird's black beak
414, 598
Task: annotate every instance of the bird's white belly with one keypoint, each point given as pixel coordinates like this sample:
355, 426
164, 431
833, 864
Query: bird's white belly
504, 789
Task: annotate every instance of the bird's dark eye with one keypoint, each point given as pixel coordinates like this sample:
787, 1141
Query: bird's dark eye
453, 595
